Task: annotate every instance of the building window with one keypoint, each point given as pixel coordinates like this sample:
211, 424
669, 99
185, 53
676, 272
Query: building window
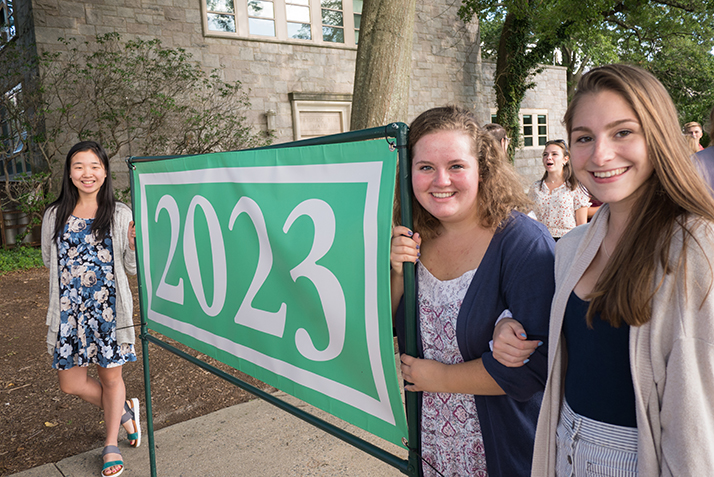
357, 9
12, 136
261, 18
297, 13
220, 15
327, 22
535, 129
333, 24
7, 21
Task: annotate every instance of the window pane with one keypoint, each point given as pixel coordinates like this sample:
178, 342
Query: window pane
357, 6
295, 13
330, 17
334, 35
358, 21
225, 6
300, 31
356, 37
493, 118
542, 140
334, 4
300, 2
221, 22
260, 9
261, 27
541, 119
527, 130
527, 119
542, 130
527, 141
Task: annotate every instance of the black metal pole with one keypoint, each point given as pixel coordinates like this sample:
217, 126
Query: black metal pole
144, 342
405, 186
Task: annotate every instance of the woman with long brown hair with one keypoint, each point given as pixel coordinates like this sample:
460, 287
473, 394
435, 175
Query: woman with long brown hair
477, 256
560, 202
631, 342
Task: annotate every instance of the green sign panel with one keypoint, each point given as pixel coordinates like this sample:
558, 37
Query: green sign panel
276, 262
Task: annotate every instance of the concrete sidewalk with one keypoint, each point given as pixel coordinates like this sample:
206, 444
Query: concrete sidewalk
249, 439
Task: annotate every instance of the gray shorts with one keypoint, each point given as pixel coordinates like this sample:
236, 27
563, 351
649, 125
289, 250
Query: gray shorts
590, 448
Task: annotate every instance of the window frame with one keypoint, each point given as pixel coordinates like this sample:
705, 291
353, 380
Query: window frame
534, 113
8, 31
240, 15
15, 136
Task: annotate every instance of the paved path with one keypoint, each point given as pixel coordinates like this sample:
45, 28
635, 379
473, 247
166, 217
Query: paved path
251, 439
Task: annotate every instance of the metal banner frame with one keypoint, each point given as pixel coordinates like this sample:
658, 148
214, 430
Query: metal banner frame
396, 135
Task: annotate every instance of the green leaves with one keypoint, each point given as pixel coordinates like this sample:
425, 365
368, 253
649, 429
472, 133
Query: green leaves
141, 98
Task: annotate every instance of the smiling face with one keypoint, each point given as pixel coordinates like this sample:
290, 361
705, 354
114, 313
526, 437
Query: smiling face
554, 159
445, 176
608, 149
87, 173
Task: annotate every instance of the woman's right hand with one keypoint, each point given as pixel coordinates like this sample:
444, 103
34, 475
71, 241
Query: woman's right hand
405, 248
511, 346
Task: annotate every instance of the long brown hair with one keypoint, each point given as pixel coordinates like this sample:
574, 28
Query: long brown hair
669, 197
500, 190
568, 175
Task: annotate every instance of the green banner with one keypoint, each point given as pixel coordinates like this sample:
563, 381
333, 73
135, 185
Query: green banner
276, 262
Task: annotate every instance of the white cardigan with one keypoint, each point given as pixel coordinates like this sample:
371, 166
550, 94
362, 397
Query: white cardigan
671, 357
124, 263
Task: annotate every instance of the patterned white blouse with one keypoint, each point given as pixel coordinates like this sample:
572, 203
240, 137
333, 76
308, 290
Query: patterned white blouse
451, 439
556, 208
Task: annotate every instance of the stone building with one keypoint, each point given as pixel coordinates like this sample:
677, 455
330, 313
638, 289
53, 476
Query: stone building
297, 57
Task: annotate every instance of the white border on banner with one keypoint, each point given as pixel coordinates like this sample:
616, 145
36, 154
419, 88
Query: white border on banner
357, 172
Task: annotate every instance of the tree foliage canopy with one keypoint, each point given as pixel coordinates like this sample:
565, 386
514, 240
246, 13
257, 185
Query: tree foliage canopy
671, 38
135, 97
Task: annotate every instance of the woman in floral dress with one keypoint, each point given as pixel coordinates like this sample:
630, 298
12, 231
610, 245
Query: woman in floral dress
88, 245
560, 203
477, 257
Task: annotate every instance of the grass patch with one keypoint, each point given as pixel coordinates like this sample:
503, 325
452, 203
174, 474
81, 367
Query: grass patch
20, 258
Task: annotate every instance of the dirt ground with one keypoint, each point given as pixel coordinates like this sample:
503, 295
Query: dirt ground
40, 424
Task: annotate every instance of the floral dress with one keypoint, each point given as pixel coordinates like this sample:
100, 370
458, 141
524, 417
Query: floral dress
556, 208
87, 332
451, 439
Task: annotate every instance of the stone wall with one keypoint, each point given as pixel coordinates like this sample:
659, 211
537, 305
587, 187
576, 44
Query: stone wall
550, 94
446, 68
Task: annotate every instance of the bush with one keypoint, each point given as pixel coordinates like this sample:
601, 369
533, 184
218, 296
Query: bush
19, 258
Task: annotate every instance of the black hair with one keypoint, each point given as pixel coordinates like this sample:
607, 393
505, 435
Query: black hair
65, 204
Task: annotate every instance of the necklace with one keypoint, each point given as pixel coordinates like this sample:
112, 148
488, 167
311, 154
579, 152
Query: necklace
604, 249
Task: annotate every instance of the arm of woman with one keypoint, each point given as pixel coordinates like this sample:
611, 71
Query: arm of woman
581, 204
528, 286
405, 248
511, 346
581, 216
687, 409
124, 217
686, 387
47, 231
432, 376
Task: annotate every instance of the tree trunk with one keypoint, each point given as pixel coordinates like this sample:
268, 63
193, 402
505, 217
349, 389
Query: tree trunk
511, 77
384, 58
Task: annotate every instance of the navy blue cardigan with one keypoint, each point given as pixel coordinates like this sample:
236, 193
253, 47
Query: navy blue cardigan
516, 273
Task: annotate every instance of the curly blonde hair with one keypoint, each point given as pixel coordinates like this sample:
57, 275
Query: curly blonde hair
500, 188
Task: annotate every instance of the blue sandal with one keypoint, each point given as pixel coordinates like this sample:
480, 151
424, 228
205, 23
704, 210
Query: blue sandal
112, 463
132, 413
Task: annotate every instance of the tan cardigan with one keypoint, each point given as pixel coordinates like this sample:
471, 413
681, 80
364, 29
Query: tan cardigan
124, 263
671, 358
